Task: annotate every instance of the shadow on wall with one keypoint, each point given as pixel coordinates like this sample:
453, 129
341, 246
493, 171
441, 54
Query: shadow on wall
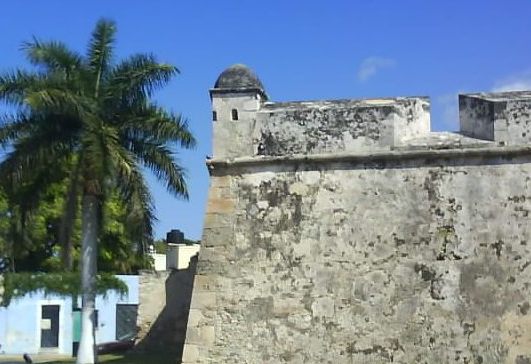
167, 332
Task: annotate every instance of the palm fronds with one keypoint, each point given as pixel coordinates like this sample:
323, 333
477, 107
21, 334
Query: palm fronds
52, 56
95, 112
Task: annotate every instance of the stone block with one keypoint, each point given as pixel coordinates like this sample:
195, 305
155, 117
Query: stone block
220, 181
203, 300
218, 236
220, 205
207, 335
217, 220
195, 317
214, 254
190, 354
206, 282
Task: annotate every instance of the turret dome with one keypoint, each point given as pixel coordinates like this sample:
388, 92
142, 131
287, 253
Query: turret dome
238, 77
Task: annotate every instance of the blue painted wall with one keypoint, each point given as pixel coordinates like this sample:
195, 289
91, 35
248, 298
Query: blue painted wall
106, 306
20, 321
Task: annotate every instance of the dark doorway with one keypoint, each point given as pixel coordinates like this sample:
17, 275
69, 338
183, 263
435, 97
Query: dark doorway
125, 321
50, 326
234, 114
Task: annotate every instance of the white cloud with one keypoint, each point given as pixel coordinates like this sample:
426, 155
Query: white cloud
517, 82
371, 65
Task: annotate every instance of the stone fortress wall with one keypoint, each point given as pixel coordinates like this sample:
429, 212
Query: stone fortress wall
347, 232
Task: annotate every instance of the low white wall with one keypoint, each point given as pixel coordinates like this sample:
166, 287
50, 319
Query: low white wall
178, 255
159, 261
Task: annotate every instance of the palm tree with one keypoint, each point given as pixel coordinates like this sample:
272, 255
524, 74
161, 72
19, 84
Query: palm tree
97, 117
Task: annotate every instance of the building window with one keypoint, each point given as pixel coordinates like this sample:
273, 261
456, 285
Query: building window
214, 116
234, 114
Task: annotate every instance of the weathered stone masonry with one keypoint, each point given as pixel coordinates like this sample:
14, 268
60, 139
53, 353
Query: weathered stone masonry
347, 232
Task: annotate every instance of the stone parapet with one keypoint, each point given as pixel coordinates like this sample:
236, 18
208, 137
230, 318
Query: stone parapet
339, 126
503, 117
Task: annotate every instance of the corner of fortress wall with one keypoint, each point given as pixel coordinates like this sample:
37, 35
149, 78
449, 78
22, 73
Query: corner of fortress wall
345, 231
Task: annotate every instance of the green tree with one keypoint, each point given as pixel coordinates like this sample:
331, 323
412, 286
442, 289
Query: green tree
120, 249
36, 247
160, 246
39, 196
27, 234
32, 229
98, 116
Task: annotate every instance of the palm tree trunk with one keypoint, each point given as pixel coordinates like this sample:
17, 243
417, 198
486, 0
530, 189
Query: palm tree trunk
90, 213
68, 219
67, 226
65, 241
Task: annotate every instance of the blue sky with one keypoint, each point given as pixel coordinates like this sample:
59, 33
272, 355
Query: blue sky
300, 49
